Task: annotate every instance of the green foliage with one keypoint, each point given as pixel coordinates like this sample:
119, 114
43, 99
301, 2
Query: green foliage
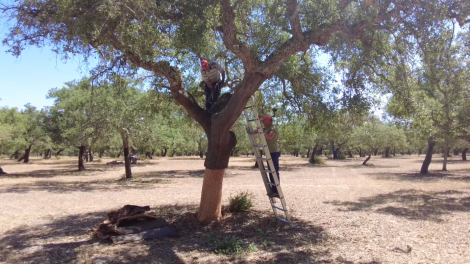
241, 202
317, 160
229, 246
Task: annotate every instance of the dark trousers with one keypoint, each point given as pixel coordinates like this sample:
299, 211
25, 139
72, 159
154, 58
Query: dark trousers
275, 158
212, 95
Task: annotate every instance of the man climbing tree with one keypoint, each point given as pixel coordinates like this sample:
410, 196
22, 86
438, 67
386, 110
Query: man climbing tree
212, 83
256, 36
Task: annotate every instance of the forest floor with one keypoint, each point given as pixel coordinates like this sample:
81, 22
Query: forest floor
342, 212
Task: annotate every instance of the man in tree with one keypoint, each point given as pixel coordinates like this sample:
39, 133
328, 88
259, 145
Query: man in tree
212, 83
271, 134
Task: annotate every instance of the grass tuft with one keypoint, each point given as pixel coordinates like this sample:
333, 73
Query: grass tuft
242, 202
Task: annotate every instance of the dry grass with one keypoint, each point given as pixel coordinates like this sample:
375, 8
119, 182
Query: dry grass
342, 212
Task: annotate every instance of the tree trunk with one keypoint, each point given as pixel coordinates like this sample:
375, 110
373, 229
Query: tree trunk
125, 145
100, 153
393, 153
366, 160
81, 151
218, 155
446, 154
15, 155
211, 196
420, 151
308, 153
456, 152
26, 154
376, 152
90, 154
387, 152
48, 154
164, 151
333, 153
428, 158
314, 151
59, 151
350, 154
464, 154
2, 171
148, 155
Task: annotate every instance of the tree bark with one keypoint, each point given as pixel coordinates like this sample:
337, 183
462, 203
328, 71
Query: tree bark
90, 155
428, 158
464, 154
387, 152
308, 153
2, 171
125, 145
164, 151
456, 152
81, 151
211, 196
59, 151
446, 154
26, 154
366, 160
314, 151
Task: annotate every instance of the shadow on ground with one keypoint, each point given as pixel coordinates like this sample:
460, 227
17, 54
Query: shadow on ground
412, 204
257, 236
432, 176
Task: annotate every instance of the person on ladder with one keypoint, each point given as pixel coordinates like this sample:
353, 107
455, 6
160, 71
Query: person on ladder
271, 134
210, 72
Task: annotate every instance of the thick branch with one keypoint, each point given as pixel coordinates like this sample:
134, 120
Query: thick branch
293, 16
174, 77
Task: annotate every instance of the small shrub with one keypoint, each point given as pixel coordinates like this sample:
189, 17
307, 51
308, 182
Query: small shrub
317, 160
341, 156
98, 160
241, 202
229, 246
57, 157
3, 156
328, 156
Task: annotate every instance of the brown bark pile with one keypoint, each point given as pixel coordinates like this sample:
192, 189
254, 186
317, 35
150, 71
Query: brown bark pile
133, 223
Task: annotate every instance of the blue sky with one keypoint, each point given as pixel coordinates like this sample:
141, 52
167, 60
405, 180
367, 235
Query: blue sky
28, 78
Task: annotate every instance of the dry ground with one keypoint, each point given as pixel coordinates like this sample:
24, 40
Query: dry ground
342, 212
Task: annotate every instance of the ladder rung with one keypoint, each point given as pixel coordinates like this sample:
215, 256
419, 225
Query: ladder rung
273, 184
250, 106
251, 120
263, 158
279, 208
283, 220
268, 171
258, 145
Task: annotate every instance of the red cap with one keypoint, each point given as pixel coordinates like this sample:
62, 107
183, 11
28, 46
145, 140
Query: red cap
204, 64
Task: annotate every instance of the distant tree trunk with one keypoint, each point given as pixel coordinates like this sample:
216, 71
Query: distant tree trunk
464, 154
48, 154
25, 157
90, 154
366, 160
308, 153
15, 155
376, 152
59, 151
350, 154
81, 151
420, 151
100, 153
333, 152
428, 158
119, 154
314, 151
125, 143
2, 171
456, 152
164, 152
148, 155
387, 152
393, 153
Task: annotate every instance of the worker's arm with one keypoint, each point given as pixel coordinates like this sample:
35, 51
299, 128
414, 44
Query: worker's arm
270, 135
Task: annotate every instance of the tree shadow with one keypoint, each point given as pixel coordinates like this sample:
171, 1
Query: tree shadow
412, 204
173, 174
432, 176
68, 240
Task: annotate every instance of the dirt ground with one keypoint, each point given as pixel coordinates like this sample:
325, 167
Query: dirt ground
342, 212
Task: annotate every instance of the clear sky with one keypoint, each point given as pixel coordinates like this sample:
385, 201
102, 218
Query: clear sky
28, 78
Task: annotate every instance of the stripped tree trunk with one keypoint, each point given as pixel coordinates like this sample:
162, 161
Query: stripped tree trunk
125, 144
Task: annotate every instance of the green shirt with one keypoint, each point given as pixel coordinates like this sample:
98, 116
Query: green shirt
272, 144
